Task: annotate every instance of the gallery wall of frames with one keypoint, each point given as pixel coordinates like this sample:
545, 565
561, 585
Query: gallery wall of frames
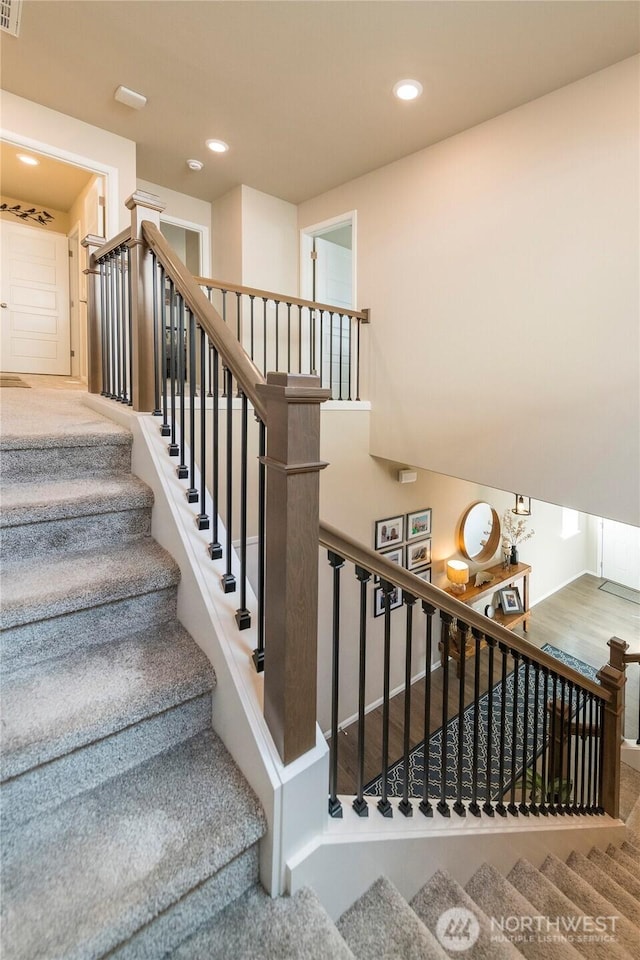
405, 540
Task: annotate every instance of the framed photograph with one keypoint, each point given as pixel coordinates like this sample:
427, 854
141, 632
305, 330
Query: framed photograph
395, 556
510, 600
424, 574
419, 524
418, 554
378, 600
389, 532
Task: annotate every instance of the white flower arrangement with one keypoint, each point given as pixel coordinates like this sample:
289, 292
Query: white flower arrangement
514, 530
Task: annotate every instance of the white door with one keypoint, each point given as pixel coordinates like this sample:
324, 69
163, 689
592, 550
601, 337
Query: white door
621, 553
35, 301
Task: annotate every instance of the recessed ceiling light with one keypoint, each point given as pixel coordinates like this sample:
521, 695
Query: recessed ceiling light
195, 164
407, 89
30, 161
218, 146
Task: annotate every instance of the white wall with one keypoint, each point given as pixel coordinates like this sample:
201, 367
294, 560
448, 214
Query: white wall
60, 135
269, 242
227, 237
182, 207
501, 268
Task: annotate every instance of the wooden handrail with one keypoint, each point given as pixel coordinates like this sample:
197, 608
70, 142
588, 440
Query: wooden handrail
123, 237
632, 658
231, 352
377, 564
284, 298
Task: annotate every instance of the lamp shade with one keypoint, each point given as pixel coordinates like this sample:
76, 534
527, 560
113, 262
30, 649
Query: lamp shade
457, 572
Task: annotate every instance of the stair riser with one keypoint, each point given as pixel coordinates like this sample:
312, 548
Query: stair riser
60, 463
33, 642
75, 533
35, 792
182, 919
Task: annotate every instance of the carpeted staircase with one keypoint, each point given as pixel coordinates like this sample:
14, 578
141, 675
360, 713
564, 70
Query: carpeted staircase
127, 829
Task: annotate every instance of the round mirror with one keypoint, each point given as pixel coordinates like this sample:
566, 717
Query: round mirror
479, 534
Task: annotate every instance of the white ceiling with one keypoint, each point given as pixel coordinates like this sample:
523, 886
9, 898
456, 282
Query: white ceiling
301, 90
50, 184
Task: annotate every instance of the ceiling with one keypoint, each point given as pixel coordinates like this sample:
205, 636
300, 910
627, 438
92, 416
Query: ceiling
301, 90
50, 184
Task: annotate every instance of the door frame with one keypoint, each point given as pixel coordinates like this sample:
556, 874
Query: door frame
307, 235
111, 174
75, 345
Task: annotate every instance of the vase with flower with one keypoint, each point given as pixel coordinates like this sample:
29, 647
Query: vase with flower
514, 532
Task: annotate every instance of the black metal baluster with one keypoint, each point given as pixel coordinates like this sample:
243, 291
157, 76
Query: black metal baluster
321, 348
104, 326
210, 390
243, 617
264, 336
289, 370
463, 630
500, 807
336, 563
591, 760
228, 581
117, 307
349, 352
130, 325
383, 803
542, 806
600, 759
360, 804
183, 470
258, 653
524, 806
239, 318
340, 361
277, 306
299, 338
425, 805
565, 785
358, 363
405, 806
583, 772
165, 429
446, 620
124, 280
192, 492
487, 806
533, 804
114, 328
215, 547
512, 808
558, 771
313, 344
173, 446
576, 757
553, 749
474, 807
251, 323
202, 518
156, 323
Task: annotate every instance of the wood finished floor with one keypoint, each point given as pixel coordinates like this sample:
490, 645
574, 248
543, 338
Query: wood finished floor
579, 619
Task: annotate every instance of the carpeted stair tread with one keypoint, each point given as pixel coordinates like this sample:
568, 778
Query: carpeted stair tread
442, 893
592, 903
625, 861
62, 499
382, 924
256, 926
66, 421
631, 850
616, 871
35, 589
499, 899
605, 886
43, 788
52, 708
83, 879
547, 900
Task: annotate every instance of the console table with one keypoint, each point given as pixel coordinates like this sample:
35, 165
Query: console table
503, 577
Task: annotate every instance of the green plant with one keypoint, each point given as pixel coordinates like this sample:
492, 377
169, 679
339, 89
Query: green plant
558, 790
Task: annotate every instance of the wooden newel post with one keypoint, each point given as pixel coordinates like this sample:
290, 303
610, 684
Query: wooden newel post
293, 465
612, 678
143, 206
94, 320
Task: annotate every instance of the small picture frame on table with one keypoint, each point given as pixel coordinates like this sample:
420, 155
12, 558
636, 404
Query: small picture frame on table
419, 524
418, 554
395, 556
389, 532
378, 600
510, 600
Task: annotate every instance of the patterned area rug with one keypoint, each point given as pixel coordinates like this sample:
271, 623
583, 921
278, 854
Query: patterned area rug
416, 757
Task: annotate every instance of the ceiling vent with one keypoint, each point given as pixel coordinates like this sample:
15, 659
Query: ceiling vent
10, 12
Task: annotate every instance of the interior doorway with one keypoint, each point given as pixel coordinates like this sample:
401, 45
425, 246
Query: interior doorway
620, 553
328, 277
191, 243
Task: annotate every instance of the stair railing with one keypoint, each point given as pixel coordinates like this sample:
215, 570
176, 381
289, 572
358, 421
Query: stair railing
286, 333
516, 732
